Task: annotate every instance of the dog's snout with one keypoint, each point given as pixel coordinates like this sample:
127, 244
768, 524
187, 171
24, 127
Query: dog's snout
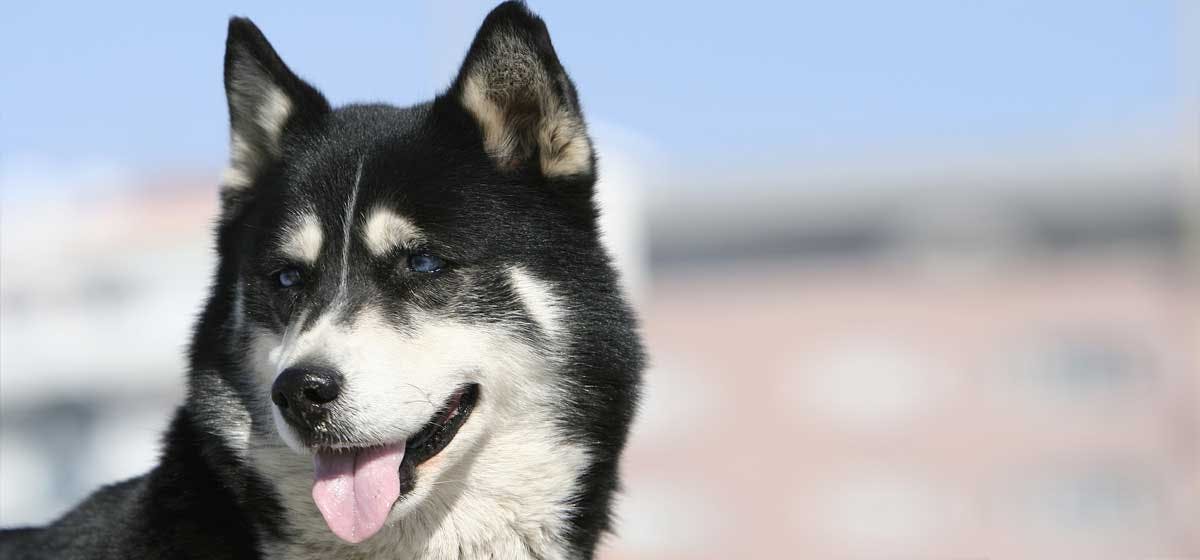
301, 392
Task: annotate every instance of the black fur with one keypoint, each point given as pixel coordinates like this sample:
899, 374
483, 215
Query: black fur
198, 503
481, 215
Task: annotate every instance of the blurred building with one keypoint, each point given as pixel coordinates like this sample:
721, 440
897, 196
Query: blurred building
974, 370
968, 369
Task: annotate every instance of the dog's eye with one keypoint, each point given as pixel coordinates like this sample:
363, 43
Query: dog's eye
424, 262
288, 278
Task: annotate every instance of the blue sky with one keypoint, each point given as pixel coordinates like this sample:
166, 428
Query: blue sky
139, 83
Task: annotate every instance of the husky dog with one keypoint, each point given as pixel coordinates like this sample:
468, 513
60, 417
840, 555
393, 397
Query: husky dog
415, 345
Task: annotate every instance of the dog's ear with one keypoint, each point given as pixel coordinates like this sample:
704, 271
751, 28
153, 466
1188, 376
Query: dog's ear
525, 105
265, 99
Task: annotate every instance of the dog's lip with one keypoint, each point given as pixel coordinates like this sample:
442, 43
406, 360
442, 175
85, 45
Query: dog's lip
437, 433
443, 426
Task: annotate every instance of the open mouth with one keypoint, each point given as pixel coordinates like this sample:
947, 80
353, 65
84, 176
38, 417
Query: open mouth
355, 487
442, 428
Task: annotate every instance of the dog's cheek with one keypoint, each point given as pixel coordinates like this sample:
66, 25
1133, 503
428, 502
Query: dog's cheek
264, 349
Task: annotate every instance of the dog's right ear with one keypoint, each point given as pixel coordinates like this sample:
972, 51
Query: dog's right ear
265, 100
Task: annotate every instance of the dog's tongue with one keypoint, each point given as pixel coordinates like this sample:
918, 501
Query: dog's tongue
355, 489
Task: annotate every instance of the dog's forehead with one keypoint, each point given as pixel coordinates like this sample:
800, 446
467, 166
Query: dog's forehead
397, 180
376, 223
378, 214
378, 152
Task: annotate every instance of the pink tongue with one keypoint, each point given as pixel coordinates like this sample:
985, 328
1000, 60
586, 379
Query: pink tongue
355, 489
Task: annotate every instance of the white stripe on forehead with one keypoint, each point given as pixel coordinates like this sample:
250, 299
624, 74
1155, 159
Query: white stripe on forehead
302, 238
386, 230
348, 225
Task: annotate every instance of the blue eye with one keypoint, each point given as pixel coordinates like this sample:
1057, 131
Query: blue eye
422, 262
288, 278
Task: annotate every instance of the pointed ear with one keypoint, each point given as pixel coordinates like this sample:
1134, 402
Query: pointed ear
265, 98
525, 105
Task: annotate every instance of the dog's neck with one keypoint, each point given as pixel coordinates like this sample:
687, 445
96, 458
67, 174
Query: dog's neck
509, 499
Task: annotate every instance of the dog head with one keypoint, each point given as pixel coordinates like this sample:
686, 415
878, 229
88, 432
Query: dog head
399, 276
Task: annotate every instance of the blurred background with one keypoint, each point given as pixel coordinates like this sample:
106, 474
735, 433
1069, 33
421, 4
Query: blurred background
918, 280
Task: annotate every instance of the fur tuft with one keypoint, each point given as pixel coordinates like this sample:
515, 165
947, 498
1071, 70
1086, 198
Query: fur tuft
521, 97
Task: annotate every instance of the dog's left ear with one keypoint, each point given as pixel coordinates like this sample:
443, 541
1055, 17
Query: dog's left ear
525, 105
265, 99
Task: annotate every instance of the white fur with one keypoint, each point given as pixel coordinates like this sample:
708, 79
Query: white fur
237, 315
302, 239
539, 299
499, 490
234, 178
272, 115
224, 414
386, 230
245, 157
395, 380
495, 84
389, 390
497, 138
242, 159
565, 146
503, 494
347, 228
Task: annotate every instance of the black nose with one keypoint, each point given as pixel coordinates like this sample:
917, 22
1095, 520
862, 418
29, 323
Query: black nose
301, 392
